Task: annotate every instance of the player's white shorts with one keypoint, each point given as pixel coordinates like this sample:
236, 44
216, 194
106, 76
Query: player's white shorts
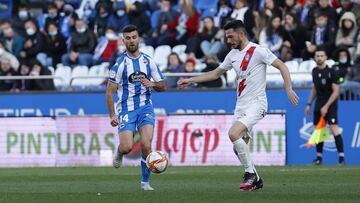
250, 114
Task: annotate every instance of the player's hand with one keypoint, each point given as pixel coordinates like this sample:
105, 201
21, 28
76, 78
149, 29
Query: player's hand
147, 83
183, 83
114, 121
307, 110
324, 110
294, 99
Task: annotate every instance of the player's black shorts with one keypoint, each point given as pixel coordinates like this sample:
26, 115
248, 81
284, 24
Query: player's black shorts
331, 116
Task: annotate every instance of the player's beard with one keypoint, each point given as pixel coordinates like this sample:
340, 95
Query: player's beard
132, 48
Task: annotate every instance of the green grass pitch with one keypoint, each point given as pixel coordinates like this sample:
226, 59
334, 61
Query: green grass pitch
180, 184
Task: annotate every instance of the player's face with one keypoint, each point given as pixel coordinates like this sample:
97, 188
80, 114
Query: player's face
233, 38
320, 57
131, 41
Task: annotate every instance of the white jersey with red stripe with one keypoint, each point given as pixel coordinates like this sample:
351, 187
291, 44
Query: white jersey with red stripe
250, 67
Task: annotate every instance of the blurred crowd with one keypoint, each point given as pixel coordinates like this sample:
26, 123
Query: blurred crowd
88, 32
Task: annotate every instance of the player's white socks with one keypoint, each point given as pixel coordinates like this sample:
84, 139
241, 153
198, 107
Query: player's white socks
243, 154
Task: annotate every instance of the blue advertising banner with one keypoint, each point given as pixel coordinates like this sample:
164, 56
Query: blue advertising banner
298, 126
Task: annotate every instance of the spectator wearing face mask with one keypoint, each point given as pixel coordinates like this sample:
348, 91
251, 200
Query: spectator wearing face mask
83, 42
53, 16
12, 41
37, 69
101, 20
106, 46
34, 43
343, 63
119, 18
55, 45
18, 21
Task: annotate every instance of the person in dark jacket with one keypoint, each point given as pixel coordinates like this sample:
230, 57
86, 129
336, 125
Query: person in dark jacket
82, 45
37, 84
55, 45
6, 70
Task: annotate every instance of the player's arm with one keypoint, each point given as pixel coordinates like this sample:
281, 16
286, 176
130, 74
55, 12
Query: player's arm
333, 97
110, 91
311, 99
208, 76
157, 86
294, 99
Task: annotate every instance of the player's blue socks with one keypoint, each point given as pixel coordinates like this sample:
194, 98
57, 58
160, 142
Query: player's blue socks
145, 172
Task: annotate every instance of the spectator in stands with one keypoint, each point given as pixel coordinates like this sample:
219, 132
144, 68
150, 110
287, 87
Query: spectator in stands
106, 47
39, 84
5, 54
34, 43
119, 19
243, 12
164, 15
183, 27
307, 17
67, 25
223, 13
174, 66
60, 6
271, 36
6, 70
263, 17
101, 19
323, 36
24, 71
356, 11
294, 40
53, 16
189, 67
206, 41
343, 63
291, 6
345, 6
329, 11
347, 31
12, 41
55, 45
82, 45
19, 20
139, 17
211, 64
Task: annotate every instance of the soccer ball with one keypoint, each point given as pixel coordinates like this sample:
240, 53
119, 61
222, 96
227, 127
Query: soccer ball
157, 161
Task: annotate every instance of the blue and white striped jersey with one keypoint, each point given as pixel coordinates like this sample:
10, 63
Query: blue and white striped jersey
127, 73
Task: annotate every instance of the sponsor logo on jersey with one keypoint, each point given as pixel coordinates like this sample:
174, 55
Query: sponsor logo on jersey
112, 74
136, 76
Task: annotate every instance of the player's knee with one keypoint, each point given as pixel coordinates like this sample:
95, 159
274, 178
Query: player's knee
233, 135
146, 147
125, 148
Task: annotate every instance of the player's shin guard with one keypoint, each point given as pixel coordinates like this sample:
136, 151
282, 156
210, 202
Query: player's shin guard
145, 171
243, 154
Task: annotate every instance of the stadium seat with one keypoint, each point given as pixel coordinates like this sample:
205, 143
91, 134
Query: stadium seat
307, 66
98, 71
79, 71
148, 50
161, 54
180, 50
52, 70
293, 66
65, 73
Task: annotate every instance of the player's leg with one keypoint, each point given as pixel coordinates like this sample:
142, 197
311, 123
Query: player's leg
126, 130
332, 119
146, 137
237, 133
146, 121
319, 146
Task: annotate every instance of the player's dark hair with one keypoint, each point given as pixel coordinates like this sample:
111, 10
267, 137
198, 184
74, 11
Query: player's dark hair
320, 48
129, 28
234, 24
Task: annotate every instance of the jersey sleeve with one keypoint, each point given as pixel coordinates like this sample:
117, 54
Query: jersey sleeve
155, 72
266, 55
334, 76
113, 74
226, 64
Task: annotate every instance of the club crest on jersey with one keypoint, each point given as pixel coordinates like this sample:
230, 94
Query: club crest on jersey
323, 81
136, 77
112, 74
247, 57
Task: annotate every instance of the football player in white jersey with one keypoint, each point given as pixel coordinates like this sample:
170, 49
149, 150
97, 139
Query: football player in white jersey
130, 79
249, 60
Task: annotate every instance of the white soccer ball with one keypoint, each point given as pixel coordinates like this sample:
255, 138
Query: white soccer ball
157, 161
